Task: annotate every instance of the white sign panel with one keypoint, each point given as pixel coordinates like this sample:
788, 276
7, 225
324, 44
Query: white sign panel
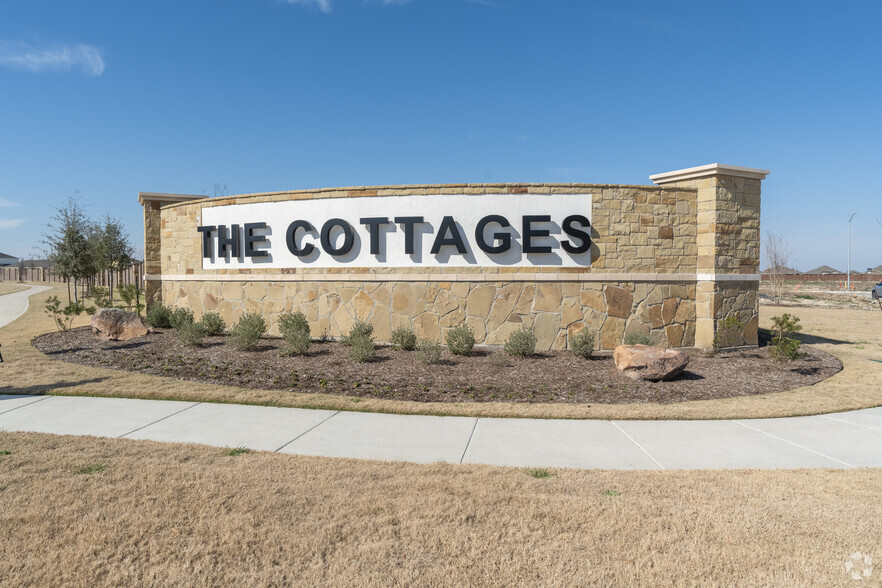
400, 231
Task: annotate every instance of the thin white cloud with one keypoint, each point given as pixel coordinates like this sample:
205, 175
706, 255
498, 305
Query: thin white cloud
326, 6
10, 223
323, 5
59, 58
4, 203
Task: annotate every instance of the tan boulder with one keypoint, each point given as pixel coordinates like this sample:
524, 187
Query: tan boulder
115, 324
649, 363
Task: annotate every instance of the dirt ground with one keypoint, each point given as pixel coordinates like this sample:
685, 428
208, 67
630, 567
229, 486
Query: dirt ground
88, 512
556, 377
853, 336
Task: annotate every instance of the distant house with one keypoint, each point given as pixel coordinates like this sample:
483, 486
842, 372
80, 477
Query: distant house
6, 260
43, 263
781, 270
876, 270
823, 271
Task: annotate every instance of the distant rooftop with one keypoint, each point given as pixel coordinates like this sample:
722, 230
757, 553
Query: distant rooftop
824, 269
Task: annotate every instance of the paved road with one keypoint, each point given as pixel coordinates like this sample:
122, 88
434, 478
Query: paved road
842, 440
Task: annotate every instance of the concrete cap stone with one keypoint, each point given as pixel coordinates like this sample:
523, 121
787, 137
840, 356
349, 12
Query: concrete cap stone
706, 171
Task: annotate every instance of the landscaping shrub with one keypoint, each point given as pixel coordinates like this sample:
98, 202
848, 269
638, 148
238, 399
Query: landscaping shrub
521, 343
785, 347
729, 333
293, 322
362, 348
637, 339
191, 334
359, 329
213, 324
131, 297
460, 340
180, 317
403, 338
245, 334
158, 316
101, 296
296, 343
428, 351
583, 343
64, 317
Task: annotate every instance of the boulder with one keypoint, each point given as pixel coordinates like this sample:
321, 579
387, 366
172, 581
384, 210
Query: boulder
650, 363
115, 324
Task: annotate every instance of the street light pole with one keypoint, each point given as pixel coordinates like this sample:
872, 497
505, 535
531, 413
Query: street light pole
848, 287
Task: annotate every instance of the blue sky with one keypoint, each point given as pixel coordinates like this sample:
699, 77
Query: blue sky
110, 98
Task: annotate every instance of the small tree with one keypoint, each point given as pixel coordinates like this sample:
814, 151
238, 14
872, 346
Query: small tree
113, 250
777, 256
68, 243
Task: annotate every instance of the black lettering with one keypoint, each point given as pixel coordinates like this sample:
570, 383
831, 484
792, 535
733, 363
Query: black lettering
228, 242
448, 227
573, 232
530, 233
252, 241
348, 237
408, 222
207, 243
373, 225
505, 238
291, 238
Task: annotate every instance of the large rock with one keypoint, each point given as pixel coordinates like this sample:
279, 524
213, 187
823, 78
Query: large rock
115, 324
650, 363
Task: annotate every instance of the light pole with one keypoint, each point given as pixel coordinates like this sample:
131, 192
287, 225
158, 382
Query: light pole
848, 287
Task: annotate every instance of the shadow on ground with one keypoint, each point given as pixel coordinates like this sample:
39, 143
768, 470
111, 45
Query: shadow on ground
40, 389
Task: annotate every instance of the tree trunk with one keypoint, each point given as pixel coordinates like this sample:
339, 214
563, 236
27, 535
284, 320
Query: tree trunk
68, 290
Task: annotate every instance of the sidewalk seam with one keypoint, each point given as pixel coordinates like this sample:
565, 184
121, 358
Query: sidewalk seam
469, 443
640, 447
848, 465
159, 420
872, 428
24, 405
306, 431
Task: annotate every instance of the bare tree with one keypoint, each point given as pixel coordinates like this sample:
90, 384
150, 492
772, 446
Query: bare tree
777, 256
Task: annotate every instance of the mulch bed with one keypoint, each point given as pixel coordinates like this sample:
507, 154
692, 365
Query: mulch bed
548, 377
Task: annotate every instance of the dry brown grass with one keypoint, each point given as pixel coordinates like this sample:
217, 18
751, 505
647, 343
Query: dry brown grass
184, 515
7, 288
854, 336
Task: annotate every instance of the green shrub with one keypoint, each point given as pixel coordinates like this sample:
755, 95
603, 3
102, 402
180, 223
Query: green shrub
583, 343
158, 316
191, 334
63, 317
362, 348
785, 347
498, 359
131, 297
729, 333
213, 324
521, 343
359, 329
460, 340
101, 296
296, 343
403, 338
637, 339
245, 334
180, 317
428, 351
293, 322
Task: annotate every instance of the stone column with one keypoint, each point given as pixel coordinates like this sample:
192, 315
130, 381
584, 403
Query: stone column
153, 225
728, 240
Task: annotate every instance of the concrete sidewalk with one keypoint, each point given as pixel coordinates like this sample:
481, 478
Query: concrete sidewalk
843, 440
16, 304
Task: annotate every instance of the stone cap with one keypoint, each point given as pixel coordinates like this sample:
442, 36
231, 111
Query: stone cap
163, 197
706, 171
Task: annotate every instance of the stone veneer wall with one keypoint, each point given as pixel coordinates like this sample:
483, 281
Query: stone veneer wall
647, 245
